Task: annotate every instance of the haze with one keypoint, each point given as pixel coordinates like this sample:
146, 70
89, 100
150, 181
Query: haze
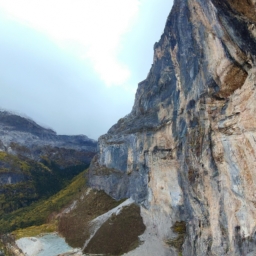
74, 65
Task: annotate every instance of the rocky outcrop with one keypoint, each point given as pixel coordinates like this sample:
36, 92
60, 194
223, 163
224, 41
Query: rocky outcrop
187, 152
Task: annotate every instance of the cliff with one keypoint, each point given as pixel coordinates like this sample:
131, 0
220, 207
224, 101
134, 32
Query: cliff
187, 151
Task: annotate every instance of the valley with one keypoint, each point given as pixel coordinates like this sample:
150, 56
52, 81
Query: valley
176, 176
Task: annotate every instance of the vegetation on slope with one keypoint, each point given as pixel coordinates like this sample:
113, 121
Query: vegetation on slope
30, 180
75, 225
119, 234
40, 212
71, 211
178, 228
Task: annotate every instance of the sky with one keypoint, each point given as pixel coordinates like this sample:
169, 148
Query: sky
74, 65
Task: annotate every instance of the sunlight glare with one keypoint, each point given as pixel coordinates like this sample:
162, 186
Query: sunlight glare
92, 30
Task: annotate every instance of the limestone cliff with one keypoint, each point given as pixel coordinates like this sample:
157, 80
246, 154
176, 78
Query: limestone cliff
187, 151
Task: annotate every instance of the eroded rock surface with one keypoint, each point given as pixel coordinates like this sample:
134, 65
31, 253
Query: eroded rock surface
187, 151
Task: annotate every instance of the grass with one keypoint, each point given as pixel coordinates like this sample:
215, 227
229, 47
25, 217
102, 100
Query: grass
75, 226
119, 234
35, 230
38, 213
34, 180
3, 155
45, 216
179, 228
116, 236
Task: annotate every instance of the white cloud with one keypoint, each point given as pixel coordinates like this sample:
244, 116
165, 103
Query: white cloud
91, 29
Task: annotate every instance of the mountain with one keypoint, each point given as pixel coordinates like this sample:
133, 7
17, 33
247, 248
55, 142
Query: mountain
181, 166
187, 152
19, 135
35, 162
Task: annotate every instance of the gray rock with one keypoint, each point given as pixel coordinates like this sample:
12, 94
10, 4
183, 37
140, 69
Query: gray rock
186, 152
22, 136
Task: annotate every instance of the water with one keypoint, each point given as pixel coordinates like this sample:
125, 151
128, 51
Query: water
46, 245
53, 245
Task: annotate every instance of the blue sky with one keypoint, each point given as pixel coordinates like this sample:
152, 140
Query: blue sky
74, 65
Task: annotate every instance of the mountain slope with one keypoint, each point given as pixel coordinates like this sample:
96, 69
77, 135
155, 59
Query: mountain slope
82, 216
19, 135
186, 152
35, 162
39, 213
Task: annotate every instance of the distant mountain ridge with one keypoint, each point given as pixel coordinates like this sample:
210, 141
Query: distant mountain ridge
22, 123
14, 128
35, 162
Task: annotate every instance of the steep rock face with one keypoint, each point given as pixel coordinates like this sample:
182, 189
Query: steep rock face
187, 151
